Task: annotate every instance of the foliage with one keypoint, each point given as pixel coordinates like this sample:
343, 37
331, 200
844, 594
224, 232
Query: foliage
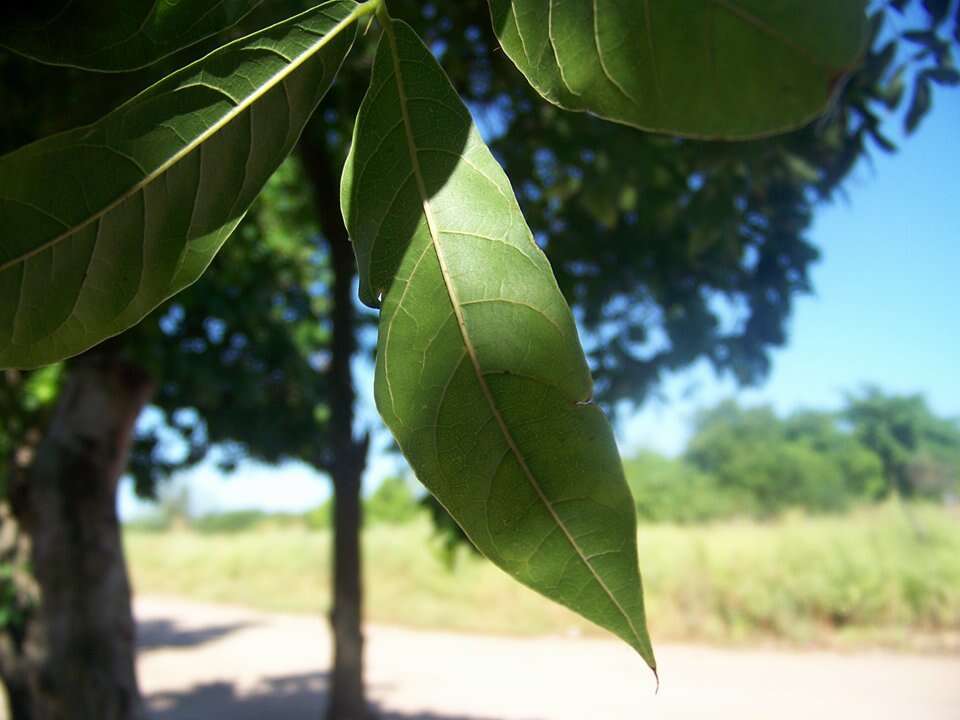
26, 400
392, 503
228, 522
685, 236
213, 103
13, 610
697, 249
244, 355
19, 600
18, 591
321, 517
672, 490
251, 374
919, 451
769, 465
827, 434
932, 56
749, 461
860, 578
620, 62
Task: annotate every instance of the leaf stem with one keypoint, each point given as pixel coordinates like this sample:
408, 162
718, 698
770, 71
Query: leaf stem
383, 14
370, 7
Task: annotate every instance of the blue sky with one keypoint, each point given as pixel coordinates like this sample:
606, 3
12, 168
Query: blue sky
886, 310
886, 307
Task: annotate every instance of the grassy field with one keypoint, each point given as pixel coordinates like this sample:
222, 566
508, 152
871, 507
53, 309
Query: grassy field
878, 576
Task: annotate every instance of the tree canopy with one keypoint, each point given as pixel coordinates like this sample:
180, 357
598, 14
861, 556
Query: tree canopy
919, 451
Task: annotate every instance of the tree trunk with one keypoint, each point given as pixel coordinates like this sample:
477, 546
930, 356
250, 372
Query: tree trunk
347, 693
81, 643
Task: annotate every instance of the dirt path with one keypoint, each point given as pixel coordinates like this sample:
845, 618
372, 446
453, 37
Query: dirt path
205, 662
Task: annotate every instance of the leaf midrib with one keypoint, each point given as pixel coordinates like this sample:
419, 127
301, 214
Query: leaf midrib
197, 142
465, 334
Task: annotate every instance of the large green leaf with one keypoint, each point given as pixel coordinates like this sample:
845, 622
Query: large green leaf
701, 68
102, 223
113, 35
480, 374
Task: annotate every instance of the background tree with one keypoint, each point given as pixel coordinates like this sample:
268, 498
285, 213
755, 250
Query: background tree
824, 432
918, 450
674, 490
768, 464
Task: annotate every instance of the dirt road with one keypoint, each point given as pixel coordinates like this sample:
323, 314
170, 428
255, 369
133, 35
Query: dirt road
205, 662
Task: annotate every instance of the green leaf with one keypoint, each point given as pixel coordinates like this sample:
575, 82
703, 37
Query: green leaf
102, 223
702, 68
113, 35
920, 104
480, 374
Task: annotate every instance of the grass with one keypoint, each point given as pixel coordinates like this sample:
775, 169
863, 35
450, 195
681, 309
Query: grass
877, 576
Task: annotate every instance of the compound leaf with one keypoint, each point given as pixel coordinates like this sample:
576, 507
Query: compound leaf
480, 374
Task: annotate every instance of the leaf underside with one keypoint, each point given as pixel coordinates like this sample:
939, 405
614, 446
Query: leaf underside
120, 215
113, 35
701, 68
480, 374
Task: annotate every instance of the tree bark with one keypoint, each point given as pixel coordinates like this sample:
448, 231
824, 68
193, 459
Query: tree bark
347, 693
81, 641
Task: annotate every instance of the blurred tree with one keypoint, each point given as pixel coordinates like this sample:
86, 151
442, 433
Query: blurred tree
392, 503
751, 456
696, 251
672, 490
822, 461
860, 467
920, 452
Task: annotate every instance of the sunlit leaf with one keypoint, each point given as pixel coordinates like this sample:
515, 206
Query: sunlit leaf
480, 374
102, 223
702, 68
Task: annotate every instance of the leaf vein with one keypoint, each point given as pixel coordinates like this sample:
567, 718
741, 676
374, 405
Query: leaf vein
468, 343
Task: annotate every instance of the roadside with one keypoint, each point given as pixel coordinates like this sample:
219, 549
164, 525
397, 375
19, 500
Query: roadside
202, 661
848, 582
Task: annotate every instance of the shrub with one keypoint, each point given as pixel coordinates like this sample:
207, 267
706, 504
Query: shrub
393, 503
